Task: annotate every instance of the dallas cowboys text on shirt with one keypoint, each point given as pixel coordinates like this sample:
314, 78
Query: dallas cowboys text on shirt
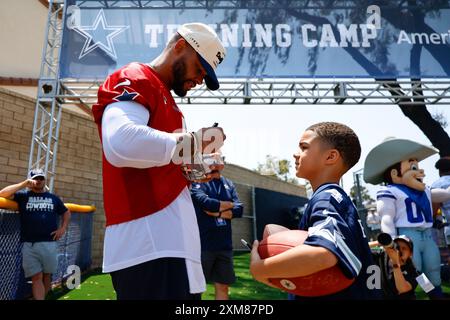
40, 203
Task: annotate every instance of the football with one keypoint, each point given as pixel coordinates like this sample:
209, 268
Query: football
277, 239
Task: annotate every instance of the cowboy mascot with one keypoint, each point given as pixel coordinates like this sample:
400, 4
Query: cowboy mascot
404, 203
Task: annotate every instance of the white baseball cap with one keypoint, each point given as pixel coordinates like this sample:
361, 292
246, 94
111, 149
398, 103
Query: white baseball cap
210, 50
33, 173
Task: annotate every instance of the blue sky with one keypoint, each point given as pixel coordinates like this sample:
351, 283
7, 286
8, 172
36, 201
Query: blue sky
256, 130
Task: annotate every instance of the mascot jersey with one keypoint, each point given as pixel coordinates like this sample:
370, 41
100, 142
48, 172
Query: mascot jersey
412, 207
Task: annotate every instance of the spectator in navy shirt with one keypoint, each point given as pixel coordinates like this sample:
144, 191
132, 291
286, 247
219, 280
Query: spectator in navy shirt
39, 214
216, 203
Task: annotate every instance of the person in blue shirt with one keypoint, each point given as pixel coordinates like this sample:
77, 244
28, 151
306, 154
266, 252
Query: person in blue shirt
39, 214
216, 203
335, 234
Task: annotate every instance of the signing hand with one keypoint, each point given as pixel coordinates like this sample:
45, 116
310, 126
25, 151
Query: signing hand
226, 205
210, 140
208, 177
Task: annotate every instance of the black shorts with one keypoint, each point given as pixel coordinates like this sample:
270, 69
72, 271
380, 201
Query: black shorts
160, 279
218, 266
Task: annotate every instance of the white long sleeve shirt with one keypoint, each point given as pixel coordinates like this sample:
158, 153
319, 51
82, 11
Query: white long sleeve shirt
170, 232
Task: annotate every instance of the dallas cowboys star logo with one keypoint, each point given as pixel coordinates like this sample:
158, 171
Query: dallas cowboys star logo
99, 37
126, 96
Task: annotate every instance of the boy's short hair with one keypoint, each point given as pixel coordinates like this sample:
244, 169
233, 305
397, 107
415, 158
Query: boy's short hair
340, 137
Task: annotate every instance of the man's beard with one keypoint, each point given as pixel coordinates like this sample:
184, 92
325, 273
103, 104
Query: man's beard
179, 71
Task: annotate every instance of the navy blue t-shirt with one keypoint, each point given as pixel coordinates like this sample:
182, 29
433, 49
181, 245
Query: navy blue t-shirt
39, 215
332, 222
215, 233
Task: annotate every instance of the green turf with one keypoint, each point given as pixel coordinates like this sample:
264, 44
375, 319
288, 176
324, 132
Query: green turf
245, 287
421, 295
97, 286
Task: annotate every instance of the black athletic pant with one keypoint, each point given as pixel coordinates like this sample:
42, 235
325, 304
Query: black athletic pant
160, 279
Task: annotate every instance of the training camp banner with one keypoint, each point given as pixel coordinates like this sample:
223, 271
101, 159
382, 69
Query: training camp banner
366, 40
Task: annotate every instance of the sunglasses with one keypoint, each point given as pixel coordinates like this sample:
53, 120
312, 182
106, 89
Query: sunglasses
39, 178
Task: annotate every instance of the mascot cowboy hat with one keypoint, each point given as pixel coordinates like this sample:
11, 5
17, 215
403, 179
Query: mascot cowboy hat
391, 151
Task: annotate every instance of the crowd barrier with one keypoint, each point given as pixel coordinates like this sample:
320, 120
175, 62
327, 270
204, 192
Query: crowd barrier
74, 248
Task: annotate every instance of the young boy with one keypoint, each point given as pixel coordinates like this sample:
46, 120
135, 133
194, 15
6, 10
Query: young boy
327, 150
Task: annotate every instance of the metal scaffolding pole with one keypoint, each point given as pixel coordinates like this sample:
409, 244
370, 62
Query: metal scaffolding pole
362, 210
293, 91
47, 116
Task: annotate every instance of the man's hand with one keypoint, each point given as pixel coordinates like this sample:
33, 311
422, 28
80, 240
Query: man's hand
58, 233
226, 205
212, 214
207, 178
225, 208
228, 214
29, 183
9, 191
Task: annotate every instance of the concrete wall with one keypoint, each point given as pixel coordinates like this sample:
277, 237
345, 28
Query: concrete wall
30, 92
245, 179
249, 177
22, 37
78, 174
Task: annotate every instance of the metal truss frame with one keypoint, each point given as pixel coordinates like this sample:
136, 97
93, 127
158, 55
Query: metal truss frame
54, 93
47, 116
294, 91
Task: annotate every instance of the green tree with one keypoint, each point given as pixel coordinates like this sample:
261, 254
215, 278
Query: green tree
283, 168
365, 196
